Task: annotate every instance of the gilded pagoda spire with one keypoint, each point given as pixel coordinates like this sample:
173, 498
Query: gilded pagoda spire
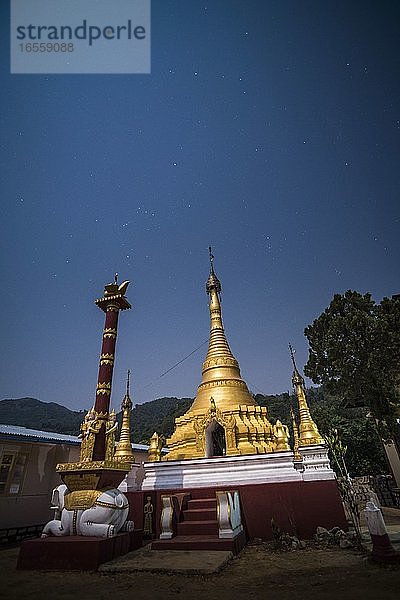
124, 446
308, 430
213, 289
223, 405
218, 345
221, 377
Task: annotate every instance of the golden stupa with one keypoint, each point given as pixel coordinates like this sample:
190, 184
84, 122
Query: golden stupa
308, 434
224, 418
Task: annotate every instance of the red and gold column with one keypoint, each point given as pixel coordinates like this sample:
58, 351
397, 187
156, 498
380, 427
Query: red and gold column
98, 468
111, 303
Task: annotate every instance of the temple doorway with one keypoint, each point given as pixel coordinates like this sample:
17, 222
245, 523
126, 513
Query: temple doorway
215, 440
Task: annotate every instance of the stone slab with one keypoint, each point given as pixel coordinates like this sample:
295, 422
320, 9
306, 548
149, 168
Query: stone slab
183, 562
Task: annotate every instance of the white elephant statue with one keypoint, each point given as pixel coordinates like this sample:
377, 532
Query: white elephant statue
105, 518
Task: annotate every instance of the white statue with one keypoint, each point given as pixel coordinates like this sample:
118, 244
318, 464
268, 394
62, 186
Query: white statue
374, 518
105, 518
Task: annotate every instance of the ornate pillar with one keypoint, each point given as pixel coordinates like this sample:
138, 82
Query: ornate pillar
111, 303
98, 468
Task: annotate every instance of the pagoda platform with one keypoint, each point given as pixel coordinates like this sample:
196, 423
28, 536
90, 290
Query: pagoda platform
249, 469
299, 497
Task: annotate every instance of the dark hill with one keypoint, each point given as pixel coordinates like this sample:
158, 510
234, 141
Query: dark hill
47, 416
158, 415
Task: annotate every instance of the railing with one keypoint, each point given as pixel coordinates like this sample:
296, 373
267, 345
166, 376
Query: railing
384, 487
171, 511
228, 514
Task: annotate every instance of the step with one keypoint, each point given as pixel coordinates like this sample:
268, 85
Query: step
208, 527
200, 542
202, 493
199, 514
210, 503
195, 542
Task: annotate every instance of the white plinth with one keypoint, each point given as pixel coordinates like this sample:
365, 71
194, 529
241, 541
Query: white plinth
236, 470
316, 465
133, 479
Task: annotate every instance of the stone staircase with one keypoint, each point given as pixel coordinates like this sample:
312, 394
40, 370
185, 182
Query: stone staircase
198, 529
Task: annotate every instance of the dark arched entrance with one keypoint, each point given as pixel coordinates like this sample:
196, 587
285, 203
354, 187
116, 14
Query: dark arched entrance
215, 440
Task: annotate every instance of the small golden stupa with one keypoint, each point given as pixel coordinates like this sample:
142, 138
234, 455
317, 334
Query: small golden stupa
224, 418
123, 451
307, 433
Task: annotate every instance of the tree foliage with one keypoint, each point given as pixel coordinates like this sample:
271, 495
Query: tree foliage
365, 453
158, 415
354, 350
358, 431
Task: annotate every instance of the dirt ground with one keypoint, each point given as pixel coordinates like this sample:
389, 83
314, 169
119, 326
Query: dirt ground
255, 573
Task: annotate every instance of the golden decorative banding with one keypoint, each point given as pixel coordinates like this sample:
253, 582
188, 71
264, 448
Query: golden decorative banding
81, 499
109, 505
104, 388
107, 359
97, 465
112, 308
109, 332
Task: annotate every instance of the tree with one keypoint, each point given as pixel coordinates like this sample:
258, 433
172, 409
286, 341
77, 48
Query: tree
358, 432
365, 454
354, 350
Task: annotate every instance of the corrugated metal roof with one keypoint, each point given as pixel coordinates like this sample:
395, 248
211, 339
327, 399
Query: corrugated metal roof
15, 431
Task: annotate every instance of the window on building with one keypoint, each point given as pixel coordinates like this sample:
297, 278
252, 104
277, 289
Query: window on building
12, 471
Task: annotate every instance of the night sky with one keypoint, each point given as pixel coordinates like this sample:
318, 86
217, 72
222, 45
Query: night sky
267, 129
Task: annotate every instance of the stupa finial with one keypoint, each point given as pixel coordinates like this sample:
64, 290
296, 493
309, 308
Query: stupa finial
297, 379
211, 255
127, 402
292, 354
213, 283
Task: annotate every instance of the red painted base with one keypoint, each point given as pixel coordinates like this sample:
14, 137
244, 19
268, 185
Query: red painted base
75, 552
297, 507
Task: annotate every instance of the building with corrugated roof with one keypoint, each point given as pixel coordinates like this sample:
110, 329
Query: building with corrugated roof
28, 459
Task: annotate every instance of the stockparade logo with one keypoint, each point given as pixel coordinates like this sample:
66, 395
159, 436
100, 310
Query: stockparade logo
80, 36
